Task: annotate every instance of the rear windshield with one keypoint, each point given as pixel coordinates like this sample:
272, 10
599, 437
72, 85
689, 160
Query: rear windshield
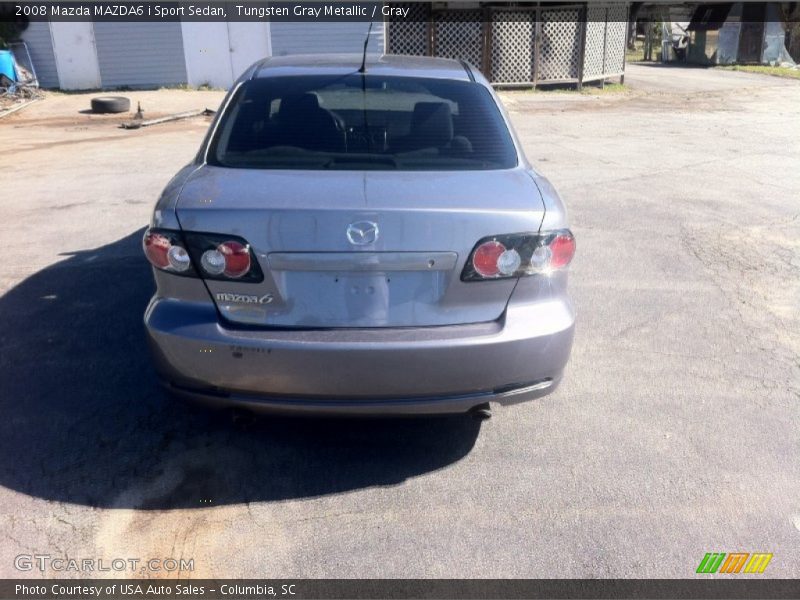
359, 121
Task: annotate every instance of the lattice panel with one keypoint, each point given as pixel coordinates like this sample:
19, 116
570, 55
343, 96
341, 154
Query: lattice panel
616, 30
595, 39
559, 45
458, 34
512, 46
409, 36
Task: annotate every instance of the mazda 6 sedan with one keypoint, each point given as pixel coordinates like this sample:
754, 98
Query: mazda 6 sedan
360, 241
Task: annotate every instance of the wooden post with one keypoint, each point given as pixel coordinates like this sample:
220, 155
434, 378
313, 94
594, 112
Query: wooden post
432, 33
625, 53
581, 45
605, 43
486, 38
537, 46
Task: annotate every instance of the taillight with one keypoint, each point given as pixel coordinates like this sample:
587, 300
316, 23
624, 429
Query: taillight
237, 258
229, 258
519, 254
165, 251
485, 257
563, 248
216, 256
223, 257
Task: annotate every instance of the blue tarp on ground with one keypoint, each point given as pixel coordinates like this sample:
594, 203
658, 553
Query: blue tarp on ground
7, 65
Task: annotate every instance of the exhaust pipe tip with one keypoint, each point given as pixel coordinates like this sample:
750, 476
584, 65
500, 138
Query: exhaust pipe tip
481, 412
242, 418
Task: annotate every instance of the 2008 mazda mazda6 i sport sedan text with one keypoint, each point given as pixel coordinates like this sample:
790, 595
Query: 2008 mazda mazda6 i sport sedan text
360, 242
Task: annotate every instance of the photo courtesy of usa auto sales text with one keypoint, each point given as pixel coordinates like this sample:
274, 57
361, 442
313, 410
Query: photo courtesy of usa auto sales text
139, 590
97, 591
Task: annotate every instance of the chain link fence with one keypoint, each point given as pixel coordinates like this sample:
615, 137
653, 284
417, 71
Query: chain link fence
520, 45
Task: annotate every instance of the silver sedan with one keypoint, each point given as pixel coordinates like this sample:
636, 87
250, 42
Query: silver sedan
360, 241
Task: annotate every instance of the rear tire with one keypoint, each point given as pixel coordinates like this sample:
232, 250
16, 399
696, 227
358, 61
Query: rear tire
111, 104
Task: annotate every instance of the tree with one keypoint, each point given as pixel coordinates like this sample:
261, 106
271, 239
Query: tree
11, 26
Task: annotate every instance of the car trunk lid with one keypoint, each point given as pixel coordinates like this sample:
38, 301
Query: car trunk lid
360, 248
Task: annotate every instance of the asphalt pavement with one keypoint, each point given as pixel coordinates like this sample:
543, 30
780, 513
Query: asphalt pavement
674, 433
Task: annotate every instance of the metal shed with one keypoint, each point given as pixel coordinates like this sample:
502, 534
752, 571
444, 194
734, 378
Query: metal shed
140, 54
40, 45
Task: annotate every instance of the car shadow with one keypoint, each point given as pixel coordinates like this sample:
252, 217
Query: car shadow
84, 420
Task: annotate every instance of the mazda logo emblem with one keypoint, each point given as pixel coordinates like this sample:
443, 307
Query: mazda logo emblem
362, 233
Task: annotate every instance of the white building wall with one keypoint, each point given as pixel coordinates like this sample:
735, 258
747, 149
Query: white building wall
249, 42
66, 53
207, 53
326, 38
217, 53
75, 55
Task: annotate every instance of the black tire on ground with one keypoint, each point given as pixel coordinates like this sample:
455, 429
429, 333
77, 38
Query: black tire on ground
111, 104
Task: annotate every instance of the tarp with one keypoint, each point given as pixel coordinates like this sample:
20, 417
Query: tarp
775, 52
8, 65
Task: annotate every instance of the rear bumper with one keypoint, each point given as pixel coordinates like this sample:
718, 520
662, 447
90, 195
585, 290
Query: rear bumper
359, 407
428, 370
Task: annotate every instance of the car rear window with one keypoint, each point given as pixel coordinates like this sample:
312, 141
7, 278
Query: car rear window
359, 122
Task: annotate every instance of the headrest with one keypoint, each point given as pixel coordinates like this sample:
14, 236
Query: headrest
298, 106
432, 122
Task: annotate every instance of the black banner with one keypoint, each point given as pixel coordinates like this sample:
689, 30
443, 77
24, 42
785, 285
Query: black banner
302, 11
202, 10
281, 10
336, 589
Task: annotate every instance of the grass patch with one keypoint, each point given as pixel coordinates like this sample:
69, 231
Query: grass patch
609, 88
766, 70
592, 88
636, 54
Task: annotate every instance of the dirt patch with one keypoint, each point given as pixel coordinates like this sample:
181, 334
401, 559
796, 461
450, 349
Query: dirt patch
56, 133
79, 120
